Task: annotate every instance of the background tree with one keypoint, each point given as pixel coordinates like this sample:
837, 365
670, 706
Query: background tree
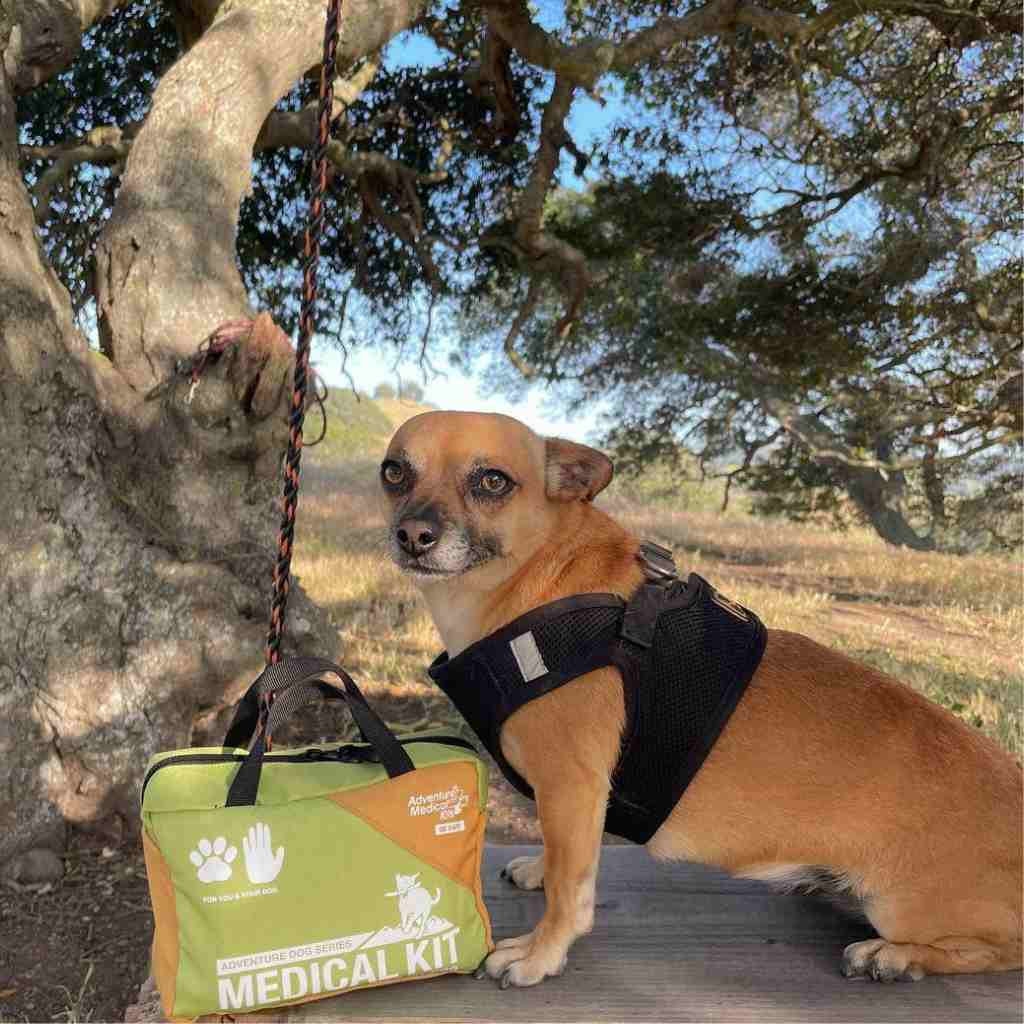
410, 390
150, 175
384, 390
874, 380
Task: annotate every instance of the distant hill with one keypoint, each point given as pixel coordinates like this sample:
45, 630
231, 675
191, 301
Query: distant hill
398, 410
358, 425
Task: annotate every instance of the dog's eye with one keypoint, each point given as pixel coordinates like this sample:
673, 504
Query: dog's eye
392, 473
495, 482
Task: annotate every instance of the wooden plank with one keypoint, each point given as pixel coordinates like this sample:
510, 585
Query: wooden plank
680, 943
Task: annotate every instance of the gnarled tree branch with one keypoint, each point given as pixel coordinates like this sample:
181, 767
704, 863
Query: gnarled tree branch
491, 82
923, 154
47, 36
296, 128
107, 144
377, 177
585, 62
540, 253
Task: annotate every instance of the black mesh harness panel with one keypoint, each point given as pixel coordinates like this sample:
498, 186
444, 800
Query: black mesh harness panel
685, 653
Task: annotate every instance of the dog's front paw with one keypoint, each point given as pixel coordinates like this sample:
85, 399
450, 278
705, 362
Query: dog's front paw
525, 872
521, 962
881, 961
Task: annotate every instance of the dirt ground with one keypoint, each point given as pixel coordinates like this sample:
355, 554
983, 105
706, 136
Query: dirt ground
76, 950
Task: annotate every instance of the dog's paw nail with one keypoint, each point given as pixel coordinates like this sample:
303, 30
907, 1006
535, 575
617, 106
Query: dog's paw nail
480, 972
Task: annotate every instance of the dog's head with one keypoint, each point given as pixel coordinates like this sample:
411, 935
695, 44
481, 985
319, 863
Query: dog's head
467, 490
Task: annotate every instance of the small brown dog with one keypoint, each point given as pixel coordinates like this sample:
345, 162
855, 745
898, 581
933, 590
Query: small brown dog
827, 768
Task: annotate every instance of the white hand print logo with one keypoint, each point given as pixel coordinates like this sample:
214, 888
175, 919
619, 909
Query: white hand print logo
213, 859
261, 865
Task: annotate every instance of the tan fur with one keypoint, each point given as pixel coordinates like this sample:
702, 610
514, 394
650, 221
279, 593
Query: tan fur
825, 764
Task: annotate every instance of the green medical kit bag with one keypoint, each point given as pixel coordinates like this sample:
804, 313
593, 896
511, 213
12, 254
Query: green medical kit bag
282, 876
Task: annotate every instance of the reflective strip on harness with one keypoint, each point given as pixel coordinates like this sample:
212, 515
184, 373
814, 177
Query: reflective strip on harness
528, 657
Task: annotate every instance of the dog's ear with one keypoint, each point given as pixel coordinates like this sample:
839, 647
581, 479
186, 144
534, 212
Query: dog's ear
574, 472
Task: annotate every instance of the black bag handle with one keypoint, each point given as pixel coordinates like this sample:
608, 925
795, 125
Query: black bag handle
299, 678
273, 679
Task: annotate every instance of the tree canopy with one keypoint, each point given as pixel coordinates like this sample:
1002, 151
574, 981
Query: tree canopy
794, 250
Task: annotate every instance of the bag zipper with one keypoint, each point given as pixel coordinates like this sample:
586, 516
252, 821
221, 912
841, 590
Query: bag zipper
347, 753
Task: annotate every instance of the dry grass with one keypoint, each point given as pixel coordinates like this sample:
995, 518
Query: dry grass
950, 626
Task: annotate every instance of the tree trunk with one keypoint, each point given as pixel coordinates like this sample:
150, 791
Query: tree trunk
876, 493
138, 532
166, 272
878, 499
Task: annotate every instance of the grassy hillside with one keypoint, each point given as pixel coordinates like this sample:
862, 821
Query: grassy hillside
949, 626
355, 425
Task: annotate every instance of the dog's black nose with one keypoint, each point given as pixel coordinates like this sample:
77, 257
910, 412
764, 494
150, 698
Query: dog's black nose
416, 536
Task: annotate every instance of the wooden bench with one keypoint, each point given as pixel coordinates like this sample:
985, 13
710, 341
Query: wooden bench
681, 943
671, 943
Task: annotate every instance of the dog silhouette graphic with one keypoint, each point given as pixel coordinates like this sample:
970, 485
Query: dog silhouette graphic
414, 903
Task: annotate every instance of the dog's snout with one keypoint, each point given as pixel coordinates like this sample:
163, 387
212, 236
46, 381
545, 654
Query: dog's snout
416, 535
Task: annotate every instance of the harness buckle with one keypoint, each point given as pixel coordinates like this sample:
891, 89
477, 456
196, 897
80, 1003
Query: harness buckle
640, 620
657, 562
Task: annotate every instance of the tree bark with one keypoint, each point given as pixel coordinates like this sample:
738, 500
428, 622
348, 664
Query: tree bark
138, 533
111, 640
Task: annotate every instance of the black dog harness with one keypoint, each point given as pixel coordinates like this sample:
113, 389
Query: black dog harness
686, 655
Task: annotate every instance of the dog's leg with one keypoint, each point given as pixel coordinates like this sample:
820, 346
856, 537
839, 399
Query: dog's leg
571, 810
905, 961
927, 932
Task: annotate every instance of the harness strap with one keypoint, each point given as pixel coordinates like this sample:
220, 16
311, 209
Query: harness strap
640, 618
495, 677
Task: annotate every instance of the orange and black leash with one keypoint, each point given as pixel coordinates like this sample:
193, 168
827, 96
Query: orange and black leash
307, 322
233, 332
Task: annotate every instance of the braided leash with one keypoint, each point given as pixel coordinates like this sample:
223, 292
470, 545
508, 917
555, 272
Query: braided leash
307, 317
311, 253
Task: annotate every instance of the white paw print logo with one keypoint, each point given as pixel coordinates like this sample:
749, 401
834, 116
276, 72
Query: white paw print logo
213, 859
